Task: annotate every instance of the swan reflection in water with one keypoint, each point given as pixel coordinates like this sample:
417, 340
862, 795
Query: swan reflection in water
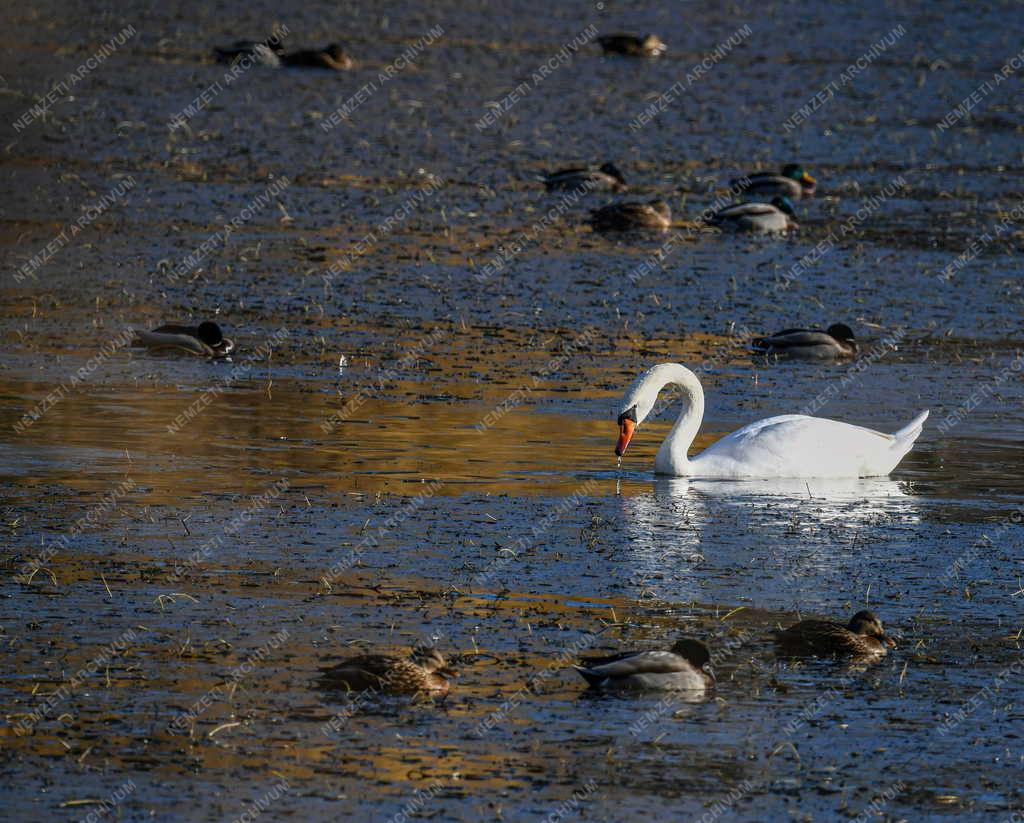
683, 535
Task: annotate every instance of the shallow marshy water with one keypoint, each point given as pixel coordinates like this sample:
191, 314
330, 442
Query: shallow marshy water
426, 453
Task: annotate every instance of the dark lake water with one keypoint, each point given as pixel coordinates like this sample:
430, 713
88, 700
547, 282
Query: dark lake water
178, 533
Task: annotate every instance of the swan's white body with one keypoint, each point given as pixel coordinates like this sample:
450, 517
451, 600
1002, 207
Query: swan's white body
791, 445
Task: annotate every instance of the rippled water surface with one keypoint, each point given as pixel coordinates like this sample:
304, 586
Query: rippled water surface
408, 449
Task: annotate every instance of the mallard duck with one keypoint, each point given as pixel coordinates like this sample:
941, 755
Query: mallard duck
424, 670
625, 216
205, 339
330, 57
686, 667
863, 636
792, 182
605, 177
835, 343
776, 217
225, 54
632, 46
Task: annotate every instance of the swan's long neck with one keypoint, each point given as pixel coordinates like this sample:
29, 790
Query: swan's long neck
672, 455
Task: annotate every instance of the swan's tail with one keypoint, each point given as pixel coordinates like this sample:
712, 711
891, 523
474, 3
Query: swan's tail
905, 437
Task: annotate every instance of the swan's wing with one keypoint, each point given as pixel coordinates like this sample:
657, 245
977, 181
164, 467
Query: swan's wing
795, 445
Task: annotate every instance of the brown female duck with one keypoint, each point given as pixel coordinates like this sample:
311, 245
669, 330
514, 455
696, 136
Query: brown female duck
424, 670
629, 216
862, 637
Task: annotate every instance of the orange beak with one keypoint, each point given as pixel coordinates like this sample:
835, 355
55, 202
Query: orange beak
626, 429
806, 178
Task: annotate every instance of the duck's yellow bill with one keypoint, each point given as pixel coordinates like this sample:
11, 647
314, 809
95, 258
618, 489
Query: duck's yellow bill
806, 178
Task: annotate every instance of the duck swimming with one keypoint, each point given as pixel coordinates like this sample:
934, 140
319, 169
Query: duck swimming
424, 670
793, 182
626, 216
606, 177
269, 54
685, 667
206, 339
225, 54
629, 45
862, 637
776, 217
835, 343
790, 445
331, 57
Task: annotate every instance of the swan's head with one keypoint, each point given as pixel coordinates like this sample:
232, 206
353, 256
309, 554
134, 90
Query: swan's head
639, 400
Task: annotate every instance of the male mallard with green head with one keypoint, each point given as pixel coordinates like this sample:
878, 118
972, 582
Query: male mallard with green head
776, 217
205, 339
606, 177
685, 667
628, 216
862, 637
629, 45
835, 343
793, 182
424, 670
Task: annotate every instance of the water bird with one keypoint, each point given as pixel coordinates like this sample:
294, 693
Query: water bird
605, 177
629, 45
835, 343
862, 637
331, 57
626, 216
776, 217
685, 667
788, 446
225, 54
424, 670
793, 182
205, 339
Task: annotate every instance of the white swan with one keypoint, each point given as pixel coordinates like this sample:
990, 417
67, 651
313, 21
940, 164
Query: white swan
792, 445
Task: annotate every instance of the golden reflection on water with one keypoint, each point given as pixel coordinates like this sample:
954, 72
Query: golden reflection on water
481, 434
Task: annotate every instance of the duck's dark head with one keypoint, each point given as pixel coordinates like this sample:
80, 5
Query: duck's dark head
841, 332
794, 171
613, 171
694, 651
210, 333
783, 205
865, 623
